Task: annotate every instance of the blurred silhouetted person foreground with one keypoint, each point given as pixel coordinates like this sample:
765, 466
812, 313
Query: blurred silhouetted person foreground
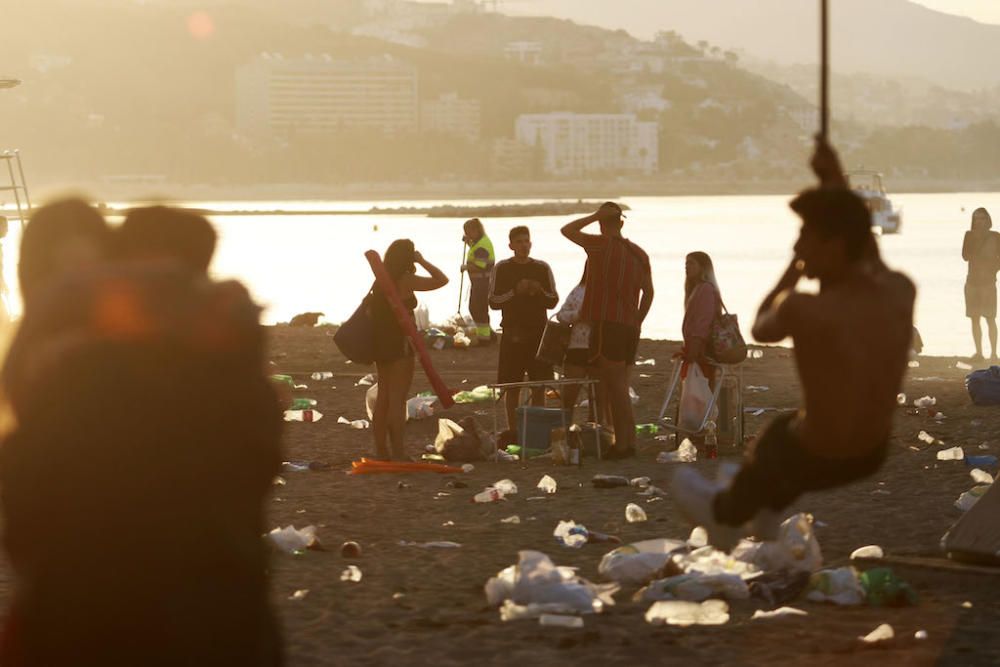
147, 437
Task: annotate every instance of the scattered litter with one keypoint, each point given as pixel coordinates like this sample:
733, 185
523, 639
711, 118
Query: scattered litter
303, 403
646, 362
488, 495
357, 424
967, 500
447, 524
698, 538
962, 366
778, 613
674, 612
634, 513
535, 585
560, 621
914, 364
299, 594
978, 476
638, 563
951, 454
920, 635
290, 540
350, 550
468, 467
696, 587
634, 397
882, 633
547, 484
421, 407
871, 551
278, 481
686, 453
322, 375
609, 481
756, 388
430, 545
639, 482
985, 461
757, 354
303, 415
966, 605
795, 549
506, 487
480, 394
352, 574
571, 534
513, 519
926, 437
839, 586
366, 381
924, 402
900, 399
537, 498
883, 588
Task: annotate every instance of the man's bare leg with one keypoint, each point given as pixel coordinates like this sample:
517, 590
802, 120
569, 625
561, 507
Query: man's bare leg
977, 337
615, 375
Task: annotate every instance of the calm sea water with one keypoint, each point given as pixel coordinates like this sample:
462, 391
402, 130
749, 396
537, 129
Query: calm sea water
294, 264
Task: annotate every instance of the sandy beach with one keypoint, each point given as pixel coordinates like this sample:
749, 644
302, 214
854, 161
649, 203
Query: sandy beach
427, 606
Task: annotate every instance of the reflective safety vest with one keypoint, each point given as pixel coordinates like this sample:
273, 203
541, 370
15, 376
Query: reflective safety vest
484, 266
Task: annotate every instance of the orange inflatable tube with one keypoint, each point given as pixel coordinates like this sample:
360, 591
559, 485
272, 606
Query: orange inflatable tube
372, 467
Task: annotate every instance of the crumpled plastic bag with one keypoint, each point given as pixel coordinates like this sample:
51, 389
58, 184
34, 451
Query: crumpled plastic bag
695, 587
795, 549
290, 540
638, 563
537, 580
461, 441
840, 586
677, 612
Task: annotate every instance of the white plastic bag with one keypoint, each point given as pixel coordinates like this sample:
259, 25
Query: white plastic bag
695, 396
637, 563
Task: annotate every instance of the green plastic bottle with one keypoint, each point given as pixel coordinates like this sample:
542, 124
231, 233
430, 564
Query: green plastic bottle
303, 403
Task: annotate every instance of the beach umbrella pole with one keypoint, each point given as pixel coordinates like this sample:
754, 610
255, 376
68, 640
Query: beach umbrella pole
824, 71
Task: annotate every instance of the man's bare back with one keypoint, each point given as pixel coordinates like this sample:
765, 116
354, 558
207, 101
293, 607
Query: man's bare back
852, 345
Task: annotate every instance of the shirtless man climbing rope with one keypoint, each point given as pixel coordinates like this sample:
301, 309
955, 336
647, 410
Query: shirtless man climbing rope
851, 343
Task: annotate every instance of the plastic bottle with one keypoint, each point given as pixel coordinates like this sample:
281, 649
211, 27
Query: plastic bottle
646, 429
323, 375
303, 403
986, 460
284, 379
634, 513
980, 476
711, 441
303, 415
490, 495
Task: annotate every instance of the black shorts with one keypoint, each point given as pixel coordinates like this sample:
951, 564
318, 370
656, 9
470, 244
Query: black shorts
778, 469
614, 341
517, 357
578, 357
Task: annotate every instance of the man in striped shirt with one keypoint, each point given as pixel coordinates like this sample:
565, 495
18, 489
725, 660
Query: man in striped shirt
619, 294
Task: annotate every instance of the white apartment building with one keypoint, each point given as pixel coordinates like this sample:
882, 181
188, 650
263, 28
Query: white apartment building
579, 144
277, 95
451, 115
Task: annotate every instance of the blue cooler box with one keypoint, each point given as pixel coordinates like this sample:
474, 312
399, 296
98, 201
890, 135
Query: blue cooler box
534, 425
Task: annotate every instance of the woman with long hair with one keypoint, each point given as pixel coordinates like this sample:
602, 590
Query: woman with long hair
393, 353
981, 249
702, 304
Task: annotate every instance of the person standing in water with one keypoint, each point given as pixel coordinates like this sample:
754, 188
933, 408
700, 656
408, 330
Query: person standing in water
981, 249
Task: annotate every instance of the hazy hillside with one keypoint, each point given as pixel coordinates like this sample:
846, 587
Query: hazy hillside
887, 37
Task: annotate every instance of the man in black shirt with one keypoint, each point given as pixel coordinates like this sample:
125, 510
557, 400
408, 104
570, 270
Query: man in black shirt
524, 289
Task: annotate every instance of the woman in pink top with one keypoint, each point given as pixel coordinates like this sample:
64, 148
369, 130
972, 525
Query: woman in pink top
702, 304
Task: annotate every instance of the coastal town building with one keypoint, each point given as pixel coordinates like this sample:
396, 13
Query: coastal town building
277, 95
527, 53
575, 144
451, 115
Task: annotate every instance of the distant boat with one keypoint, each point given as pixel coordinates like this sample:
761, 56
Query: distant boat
868, 185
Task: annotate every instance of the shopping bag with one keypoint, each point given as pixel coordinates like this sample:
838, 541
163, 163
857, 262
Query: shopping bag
695, 397
356, 337
726, 344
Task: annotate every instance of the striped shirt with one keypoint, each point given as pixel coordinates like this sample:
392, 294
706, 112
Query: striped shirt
616, 271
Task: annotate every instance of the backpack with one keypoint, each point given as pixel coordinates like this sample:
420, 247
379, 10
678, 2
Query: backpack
984, 386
